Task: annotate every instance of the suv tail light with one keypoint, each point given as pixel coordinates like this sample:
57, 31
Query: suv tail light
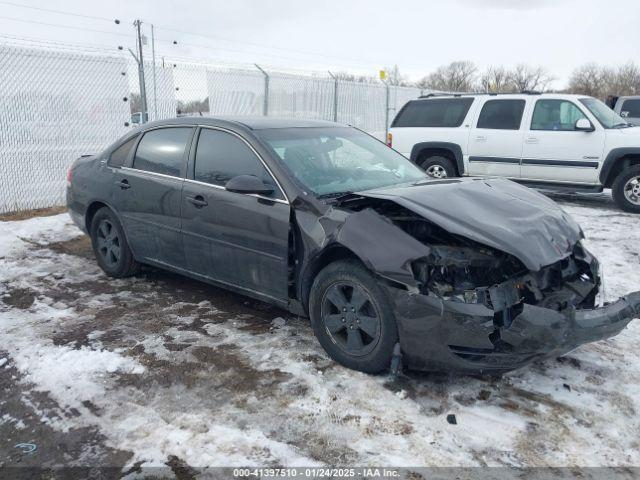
389, 140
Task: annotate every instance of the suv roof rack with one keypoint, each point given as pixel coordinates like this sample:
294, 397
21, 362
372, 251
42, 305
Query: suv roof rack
464, 94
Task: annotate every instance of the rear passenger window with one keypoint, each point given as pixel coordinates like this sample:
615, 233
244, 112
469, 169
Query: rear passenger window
437, 112
119, 156
501, 114
220, 156
162, 150
630, 108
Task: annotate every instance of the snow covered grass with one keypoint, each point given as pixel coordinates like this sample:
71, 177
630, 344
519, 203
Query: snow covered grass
162, 366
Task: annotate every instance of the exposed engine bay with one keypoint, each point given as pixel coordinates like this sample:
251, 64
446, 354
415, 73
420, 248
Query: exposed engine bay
461, 270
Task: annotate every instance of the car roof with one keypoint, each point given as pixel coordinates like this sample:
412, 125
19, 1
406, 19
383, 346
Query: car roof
250, 122
501, 95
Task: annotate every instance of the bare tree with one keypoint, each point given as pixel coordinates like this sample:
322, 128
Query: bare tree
350, 77
598, 81
193, 107
626, 80
590, 79
495, 79
459, 76
525, 77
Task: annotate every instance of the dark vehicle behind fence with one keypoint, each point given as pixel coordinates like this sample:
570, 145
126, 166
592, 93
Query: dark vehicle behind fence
464, 274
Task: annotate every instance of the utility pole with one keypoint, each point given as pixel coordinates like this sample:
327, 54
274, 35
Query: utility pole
140, 61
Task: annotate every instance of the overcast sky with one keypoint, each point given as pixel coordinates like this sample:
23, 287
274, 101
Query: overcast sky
353, 35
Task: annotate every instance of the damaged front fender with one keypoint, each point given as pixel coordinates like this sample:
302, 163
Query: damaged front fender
382, 246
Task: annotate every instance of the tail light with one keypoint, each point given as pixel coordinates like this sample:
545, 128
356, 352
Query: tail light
70, 175
389, 140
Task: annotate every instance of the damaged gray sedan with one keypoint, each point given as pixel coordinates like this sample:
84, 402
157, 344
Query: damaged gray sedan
468, 274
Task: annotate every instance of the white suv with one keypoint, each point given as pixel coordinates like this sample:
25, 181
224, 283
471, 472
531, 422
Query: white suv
548, 141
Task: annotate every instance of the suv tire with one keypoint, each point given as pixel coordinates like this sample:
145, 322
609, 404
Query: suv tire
438, 166
352, 317
626, 189
110, 245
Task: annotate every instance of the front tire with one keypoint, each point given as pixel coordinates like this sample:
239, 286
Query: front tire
352, 317
110, 245
626, 189
437, 166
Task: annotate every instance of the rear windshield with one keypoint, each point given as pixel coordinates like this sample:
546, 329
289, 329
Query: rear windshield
437, 112
630, 108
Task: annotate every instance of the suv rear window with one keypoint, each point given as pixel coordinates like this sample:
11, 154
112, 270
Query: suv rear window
437, 112
501, 114
630, 108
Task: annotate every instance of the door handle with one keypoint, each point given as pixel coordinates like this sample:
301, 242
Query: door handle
198, 201
123, 184
481, 138
532, 140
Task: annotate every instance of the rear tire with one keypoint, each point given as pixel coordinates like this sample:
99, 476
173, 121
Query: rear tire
626, 189
352, 317
110, 245
438, 166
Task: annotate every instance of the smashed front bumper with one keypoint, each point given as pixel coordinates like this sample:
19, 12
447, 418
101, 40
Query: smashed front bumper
437, 334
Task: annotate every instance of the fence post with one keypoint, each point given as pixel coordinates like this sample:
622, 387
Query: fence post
386, 111
335, 96
265, 108
155, 88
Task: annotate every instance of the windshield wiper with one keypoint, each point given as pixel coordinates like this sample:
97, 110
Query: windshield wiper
334, 194
621, 125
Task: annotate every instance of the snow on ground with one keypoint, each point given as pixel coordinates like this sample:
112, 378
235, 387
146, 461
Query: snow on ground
160, 369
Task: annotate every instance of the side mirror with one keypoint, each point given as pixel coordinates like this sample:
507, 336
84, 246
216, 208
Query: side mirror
248, 184
584, 125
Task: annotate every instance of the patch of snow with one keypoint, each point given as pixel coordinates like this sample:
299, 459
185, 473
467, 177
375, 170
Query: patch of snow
278, 322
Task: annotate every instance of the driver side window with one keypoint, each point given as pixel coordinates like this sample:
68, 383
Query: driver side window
220, 156
560, 115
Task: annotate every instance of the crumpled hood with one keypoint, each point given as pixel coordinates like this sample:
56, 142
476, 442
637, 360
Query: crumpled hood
495, 212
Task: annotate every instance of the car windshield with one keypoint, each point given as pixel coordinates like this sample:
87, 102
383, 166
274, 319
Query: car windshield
336, 160
607, 117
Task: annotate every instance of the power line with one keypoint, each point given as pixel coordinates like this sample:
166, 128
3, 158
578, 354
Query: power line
263, 46
61, 12
372, 63
284, 57
53, 43
56, 25
345, 61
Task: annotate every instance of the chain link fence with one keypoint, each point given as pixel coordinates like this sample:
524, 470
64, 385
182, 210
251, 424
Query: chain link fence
54, 106
211, 89
57, 103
